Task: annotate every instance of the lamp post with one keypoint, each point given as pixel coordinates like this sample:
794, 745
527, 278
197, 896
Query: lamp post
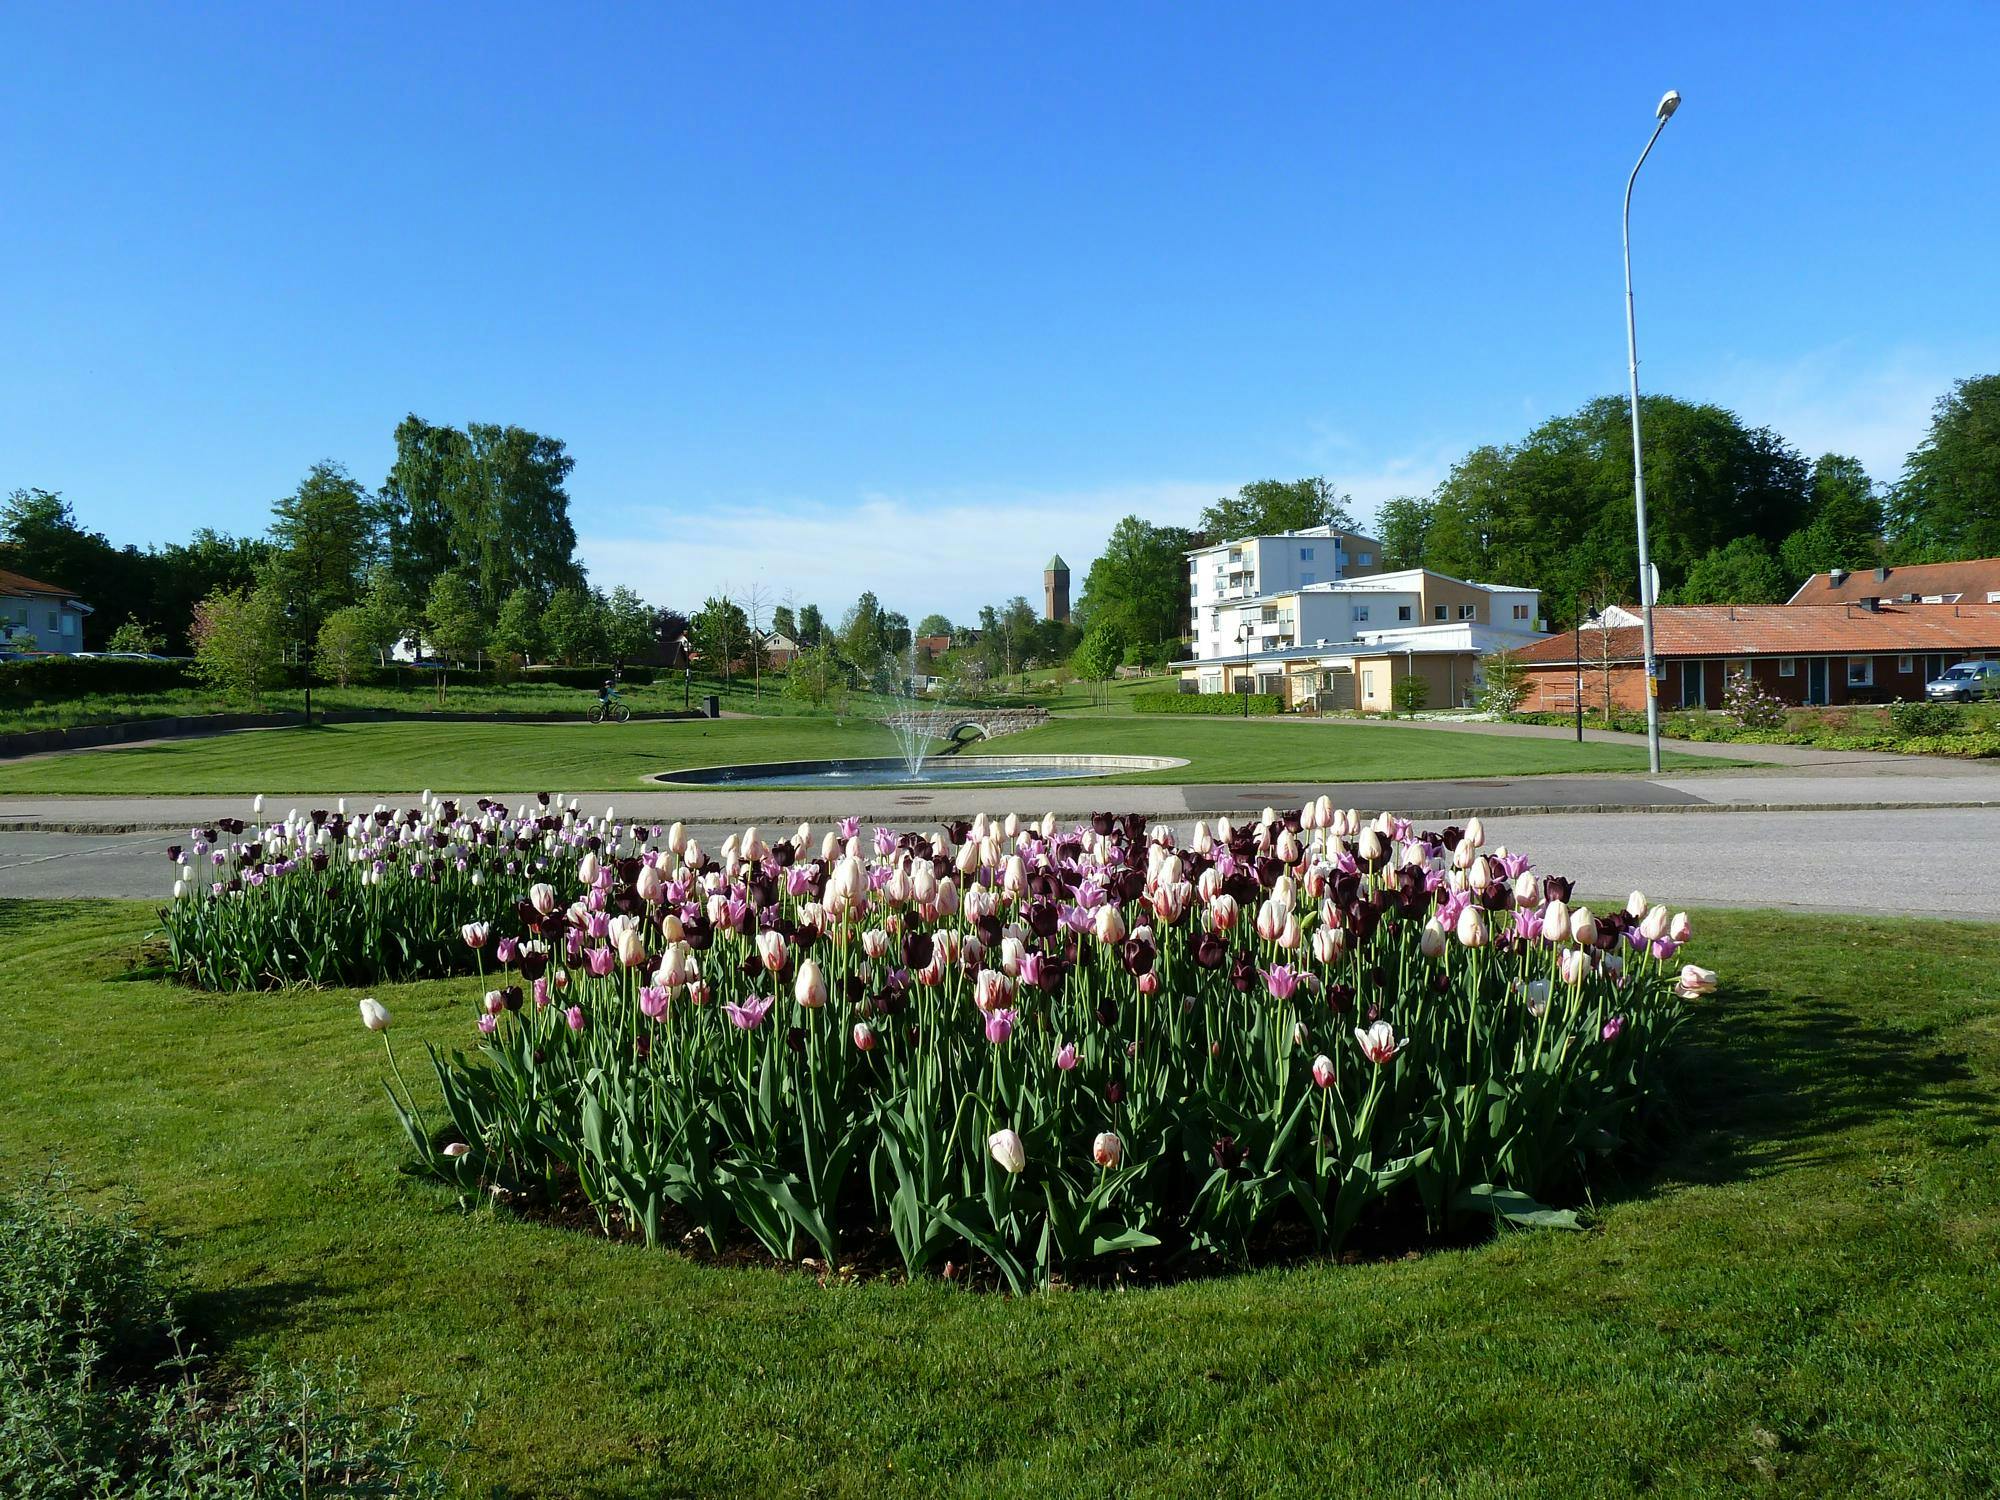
1245, 632
1670, 102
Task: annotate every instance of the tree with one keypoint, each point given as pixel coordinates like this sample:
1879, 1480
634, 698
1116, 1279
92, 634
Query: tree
238, 640
1947, 506
184, 573
1403, 526
1267, 506
812, 626
1555, 510
1412, 692
863, 638
816, 676
933, 624
573, 625
1097, 658
628, 626
322, 539
453, 625
670, 628
719, 632
1844, 523
1741, 572
1139, 583
393, 615
784, 622
346, 642
1503, 683
133, 636
487, 502
517, 629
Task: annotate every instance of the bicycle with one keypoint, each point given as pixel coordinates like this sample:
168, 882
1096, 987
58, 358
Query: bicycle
611, 710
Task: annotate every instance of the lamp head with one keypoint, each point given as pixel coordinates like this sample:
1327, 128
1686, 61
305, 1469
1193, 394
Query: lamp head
1669, 102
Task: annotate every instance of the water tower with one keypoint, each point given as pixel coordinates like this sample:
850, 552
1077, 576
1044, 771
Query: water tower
1055, 590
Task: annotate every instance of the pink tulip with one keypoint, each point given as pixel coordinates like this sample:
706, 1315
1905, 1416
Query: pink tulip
488, 1025
599, 962
1149, 983
1695, 981
1281, 980
1066, 1057
1378, 1042
864, 1036
1612, 1028
653, 1001
1000, 1026
748, 1015
504, 950
495, 1003
574, 1015
1323, 1071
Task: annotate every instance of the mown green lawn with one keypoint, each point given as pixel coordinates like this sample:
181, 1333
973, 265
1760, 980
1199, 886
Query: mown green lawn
1798, 1298
407, 757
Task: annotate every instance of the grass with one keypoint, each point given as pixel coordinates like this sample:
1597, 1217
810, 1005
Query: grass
463, 696
407, 757
1798, 1298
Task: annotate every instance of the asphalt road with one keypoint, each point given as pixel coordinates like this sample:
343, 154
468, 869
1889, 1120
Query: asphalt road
1930, 862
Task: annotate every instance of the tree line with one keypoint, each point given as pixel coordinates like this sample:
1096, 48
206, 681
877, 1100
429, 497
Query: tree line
1737, 515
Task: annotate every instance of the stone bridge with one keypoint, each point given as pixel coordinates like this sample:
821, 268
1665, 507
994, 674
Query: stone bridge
961, 725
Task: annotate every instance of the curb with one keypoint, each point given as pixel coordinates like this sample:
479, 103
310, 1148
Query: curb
1484, 810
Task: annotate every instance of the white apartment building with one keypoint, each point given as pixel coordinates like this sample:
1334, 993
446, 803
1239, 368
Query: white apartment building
1259, 565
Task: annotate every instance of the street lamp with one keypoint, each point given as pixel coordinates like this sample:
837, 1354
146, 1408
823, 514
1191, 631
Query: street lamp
1670, 102
1245, 632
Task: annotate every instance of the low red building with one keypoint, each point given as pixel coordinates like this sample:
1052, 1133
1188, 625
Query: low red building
1975, 581
1803, 653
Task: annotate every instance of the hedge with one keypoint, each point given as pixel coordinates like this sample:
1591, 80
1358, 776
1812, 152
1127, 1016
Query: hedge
54, 678
1228, 705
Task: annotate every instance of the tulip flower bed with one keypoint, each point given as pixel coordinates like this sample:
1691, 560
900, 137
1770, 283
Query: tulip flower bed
1053, 1047
326, 897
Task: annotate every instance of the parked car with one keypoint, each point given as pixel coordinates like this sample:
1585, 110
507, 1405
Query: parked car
1965, 682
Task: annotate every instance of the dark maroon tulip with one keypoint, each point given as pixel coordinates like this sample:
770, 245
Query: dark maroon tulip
1209, 951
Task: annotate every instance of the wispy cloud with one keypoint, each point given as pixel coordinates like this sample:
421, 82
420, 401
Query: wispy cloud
1833, 400
947, 551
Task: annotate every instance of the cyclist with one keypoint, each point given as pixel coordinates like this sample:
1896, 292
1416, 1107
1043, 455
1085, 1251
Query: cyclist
608, 693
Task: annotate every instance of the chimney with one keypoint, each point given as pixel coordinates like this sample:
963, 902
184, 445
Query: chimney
1837, 577
1881, 575
1872, 604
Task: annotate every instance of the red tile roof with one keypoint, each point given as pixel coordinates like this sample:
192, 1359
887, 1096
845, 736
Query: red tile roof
1789, 630
1972, 581
20, 583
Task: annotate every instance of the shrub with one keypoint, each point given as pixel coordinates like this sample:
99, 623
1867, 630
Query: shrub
98, 1394
1412, 693
1751, 705
238, 641
1911, 720
1503, 683
1198, 1053
1227, 705
47, 678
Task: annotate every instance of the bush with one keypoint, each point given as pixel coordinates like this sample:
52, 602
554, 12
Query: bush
45, 678
1751, 706
1910, 720
1227, 705
99, 1396
588, 676
1411, 694
816, 1055
1503, 683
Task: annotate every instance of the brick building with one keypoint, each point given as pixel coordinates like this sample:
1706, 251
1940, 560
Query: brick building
1874, 652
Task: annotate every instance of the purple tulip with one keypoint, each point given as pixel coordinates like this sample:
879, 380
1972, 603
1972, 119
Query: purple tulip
1612, 1028
1066, 1058
574, 1015
488, 1025
653, 1001
505, 949
1000, 1026
1281, 980
749, 1015
599, 961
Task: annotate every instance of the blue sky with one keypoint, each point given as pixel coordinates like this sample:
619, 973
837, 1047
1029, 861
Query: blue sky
907, 297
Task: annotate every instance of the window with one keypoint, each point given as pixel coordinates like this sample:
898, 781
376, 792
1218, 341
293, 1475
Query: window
69, 624
55, 620
1404, 612
1904, 664
1467, 611
1368, 683
1993, 596
1860, 671
1788, 666
1520, 611
1360, 611
1305, 554
1442, 612
1363, 559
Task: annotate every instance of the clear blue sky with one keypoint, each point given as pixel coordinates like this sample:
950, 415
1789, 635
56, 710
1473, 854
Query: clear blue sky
907, 297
